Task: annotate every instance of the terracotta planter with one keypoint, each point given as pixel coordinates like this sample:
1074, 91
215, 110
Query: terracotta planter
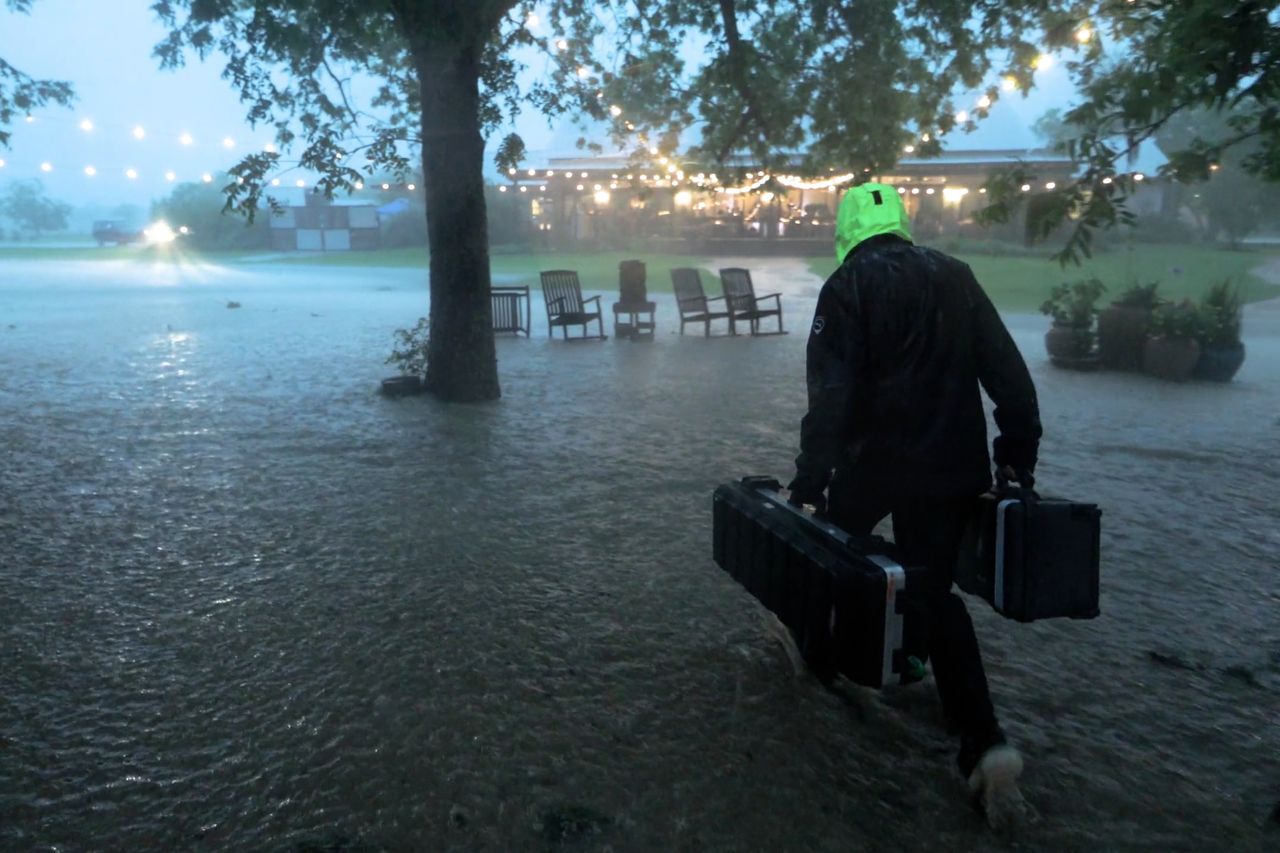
1171, 358
1071, 347
1122, 336
1219, 362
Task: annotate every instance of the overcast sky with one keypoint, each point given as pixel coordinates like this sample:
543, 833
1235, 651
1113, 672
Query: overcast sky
103, 47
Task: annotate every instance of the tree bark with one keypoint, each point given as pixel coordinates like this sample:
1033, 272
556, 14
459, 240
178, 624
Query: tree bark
461, 362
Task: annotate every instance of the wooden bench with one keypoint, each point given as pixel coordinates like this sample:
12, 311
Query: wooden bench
510, 308
693, 303
740, 297
566, 307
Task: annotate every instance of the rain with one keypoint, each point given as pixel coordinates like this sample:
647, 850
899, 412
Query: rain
249, 600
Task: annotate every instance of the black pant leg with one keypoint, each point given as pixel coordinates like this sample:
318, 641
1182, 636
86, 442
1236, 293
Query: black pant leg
928, 532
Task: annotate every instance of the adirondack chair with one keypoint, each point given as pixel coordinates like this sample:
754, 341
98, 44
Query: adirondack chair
633, 302
566, 307
694, 304
740, 297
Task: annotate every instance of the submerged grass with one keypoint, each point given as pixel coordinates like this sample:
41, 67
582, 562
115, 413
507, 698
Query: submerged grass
1018, 280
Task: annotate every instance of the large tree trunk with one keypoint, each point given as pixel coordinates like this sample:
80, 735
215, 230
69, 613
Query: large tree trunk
461, 363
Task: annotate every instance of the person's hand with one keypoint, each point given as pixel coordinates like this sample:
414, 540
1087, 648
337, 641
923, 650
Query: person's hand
1021, 476
806, 491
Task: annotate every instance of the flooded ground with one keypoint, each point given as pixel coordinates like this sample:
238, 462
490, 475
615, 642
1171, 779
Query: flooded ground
246, 603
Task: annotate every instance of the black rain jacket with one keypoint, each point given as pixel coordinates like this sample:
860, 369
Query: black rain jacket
901, 339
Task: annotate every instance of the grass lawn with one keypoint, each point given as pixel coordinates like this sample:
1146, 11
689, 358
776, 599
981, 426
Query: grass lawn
1020, 282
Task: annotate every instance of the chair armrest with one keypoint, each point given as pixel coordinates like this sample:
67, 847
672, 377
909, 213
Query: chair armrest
556, 301
777, 297
714, 298
595, 298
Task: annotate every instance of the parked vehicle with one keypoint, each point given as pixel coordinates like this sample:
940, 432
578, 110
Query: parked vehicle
113, 231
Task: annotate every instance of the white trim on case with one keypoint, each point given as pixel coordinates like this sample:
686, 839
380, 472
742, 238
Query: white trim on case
998, 595
895, 579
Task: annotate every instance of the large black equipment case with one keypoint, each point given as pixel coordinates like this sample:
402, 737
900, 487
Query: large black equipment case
1031, 557
848, 600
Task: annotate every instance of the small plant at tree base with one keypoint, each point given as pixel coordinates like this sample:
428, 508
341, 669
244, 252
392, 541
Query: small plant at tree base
1074, 303
410, 351
1181, 320
1220, 315
1140, 296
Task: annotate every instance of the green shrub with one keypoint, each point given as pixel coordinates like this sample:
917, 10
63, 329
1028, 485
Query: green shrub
1177, 320
1074, 303
1140, 296
410, 351
1220, 314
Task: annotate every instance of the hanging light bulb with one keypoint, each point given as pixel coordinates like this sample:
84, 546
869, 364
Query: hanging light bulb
46, 166
170, 176
1009, 83
411, 187
1084, 34
86, 126
359, 185
139, 132
90, 171
962, 117
228, 142
299, 183
207, 178
275, 182
984, 102
131, 174
186, 139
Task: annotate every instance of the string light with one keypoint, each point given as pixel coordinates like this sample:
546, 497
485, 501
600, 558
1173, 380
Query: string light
170, 177
299, 183
561, 44
86, 126
962, 117
908, 149
269, 148
797, 183
186, 139
1009, 84
131, 174
1042, 62
207, 178
139, 132
228, 142
46, 166
90, 171
1050, 185
615, 110
1084, 34
984, 102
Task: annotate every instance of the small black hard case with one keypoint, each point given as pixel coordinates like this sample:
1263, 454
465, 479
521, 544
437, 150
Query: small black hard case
1031, 557
848, 600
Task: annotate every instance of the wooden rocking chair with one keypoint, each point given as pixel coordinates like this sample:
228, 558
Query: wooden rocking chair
566, 307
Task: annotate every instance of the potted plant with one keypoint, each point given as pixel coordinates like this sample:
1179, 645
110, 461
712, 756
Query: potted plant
1173, 349
1221, 350
1070, 340
1122, 327
410, 355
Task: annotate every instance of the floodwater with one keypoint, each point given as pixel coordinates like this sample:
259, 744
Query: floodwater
247, 603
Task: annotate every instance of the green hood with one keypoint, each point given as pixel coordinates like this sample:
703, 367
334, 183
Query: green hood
868, 210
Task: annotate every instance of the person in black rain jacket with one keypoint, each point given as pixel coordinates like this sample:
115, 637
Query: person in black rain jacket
902, 339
